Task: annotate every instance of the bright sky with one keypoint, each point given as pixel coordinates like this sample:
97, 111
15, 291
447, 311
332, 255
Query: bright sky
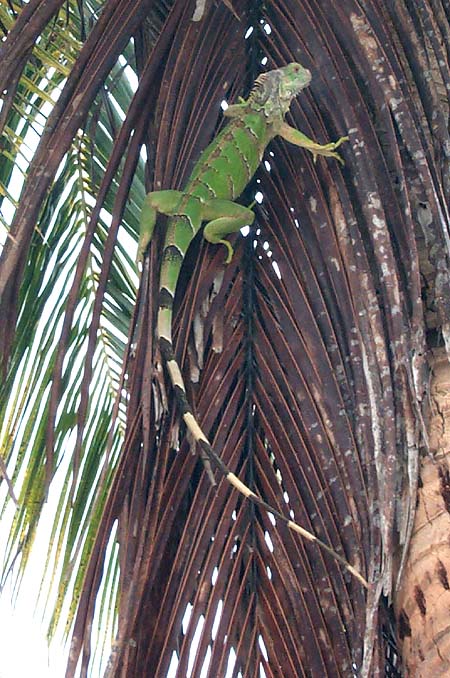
24, 649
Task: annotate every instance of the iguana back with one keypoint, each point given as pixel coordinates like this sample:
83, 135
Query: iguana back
221, 173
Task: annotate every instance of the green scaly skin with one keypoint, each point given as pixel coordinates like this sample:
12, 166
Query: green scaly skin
221, 174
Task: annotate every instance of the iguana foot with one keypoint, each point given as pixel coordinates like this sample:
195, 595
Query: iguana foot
327, 150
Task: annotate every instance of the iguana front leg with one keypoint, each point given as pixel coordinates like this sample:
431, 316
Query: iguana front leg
299, 139
236, 110
224, 217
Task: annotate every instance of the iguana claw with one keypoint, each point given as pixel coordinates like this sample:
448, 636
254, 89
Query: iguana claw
230, 250
327, 150
340, 141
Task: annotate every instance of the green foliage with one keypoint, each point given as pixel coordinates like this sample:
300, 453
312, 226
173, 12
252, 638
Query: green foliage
48, 277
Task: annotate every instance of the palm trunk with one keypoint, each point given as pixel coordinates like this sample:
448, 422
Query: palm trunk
423, 601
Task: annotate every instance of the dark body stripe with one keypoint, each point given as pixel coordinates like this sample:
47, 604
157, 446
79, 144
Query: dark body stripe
229, 162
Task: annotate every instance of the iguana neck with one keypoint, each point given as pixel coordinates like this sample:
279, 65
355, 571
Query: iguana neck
272, 94
272, 110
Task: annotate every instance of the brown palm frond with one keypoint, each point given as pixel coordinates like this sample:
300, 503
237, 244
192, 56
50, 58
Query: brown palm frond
304, 358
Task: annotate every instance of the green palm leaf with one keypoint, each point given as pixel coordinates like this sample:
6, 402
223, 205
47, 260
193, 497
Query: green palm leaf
48, 277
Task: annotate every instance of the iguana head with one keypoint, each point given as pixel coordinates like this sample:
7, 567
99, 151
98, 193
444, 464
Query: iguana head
273, 92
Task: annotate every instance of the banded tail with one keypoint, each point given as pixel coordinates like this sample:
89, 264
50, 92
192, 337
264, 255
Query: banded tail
176, 378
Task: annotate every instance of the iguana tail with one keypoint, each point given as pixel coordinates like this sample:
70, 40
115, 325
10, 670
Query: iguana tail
172, 260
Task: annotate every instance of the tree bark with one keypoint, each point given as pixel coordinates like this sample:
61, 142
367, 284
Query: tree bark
423, 602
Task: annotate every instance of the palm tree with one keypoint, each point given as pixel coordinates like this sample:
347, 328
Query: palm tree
307, 357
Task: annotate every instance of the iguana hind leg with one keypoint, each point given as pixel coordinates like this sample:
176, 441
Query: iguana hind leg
164, 202
224, 217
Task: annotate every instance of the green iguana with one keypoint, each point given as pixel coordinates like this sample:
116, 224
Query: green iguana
219, 177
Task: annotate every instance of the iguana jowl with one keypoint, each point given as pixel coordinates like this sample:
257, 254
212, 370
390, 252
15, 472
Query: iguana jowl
219, 177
